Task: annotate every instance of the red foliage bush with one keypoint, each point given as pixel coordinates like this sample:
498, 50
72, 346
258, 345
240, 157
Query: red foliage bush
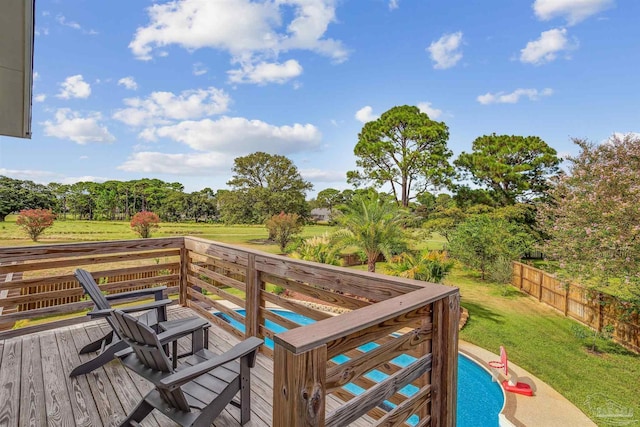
35, 221
143, 222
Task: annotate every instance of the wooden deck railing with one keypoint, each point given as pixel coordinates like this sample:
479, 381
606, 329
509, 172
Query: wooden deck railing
386, 318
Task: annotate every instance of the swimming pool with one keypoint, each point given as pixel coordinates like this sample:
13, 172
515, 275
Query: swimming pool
479, 398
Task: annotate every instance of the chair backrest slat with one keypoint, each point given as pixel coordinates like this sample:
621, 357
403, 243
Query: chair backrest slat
92, 289
144, 342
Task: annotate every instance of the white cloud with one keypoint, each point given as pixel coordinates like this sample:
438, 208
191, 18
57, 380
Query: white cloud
74, 87
365, 114
264, 72
240, 135
45, 177
445, 51
177, 164
321, 175
394, 4
62, 20
513, 97
163, 107
36, 76
71, 125
39, 97
426, 107
199, 69
195, 24
128, 82
573, 11
28, 174
547, 47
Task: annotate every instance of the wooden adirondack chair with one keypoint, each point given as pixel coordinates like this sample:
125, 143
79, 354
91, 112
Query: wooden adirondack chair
197, 391
155, 315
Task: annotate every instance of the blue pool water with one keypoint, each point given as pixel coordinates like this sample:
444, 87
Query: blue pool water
479, 398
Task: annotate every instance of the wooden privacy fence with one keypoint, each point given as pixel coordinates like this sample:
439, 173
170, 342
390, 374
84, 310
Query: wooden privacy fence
387, 317
594, 309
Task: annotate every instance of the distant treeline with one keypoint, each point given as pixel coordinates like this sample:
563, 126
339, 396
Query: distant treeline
110, 200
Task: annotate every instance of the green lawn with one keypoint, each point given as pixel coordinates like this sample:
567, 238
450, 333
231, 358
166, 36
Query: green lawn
544, 343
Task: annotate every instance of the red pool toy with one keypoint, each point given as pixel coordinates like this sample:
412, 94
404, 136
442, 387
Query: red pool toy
503, 365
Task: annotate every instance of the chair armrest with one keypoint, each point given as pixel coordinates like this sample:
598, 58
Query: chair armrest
187, 328
148, 306
183, 376
100, 313
157, 291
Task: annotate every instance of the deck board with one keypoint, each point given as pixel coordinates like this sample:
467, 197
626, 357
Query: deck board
32, 410
36, 390
10, 381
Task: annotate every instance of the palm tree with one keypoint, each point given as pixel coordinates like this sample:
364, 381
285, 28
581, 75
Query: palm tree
372, 226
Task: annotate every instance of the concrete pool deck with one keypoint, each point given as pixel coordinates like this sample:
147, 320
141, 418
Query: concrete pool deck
546, 407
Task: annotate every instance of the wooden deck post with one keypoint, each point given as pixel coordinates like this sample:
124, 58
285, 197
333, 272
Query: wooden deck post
299, 387
253, 300
184, 269
444, 374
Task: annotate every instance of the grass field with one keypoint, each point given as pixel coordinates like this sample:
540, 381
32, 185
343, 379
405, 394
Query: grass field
537, 338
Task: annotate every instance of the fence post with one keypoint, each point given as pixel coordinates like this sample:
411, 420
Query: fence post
540, 285
299, 387
566, 298
521, 275
600, 301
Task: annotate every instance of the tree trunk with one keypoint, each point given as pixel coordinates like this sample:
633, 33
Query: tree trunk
371, 263
2, 217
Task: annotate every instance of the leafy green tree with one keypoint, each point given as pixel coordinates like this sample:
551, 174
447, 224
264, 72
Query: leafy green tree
264, 185
444, 221
594, 220
202, 205
405, 149
329, 198
429, 266
513, 168
16, 195
372, 226
481, 241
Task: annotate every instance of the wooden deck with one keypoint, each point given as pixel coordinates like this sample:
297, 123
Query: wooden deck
37, 391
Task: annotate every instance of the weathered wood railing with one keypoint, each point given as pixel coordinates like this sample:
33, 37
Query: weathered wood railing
47, 287
404, 330
389, 318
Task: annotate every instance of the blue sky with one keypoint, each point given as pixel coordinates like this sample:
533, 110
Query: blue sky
176, 90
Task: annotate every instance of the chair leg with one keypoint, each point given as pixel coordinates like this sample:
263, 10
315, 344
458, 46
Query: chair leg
97, 344
245, 391
106, 356
138, 414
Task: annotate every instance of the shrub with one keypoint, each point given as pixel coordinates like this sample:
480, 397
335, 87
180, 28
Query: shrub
430, 266
318, 249
283, 228
35, 221
143, 222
